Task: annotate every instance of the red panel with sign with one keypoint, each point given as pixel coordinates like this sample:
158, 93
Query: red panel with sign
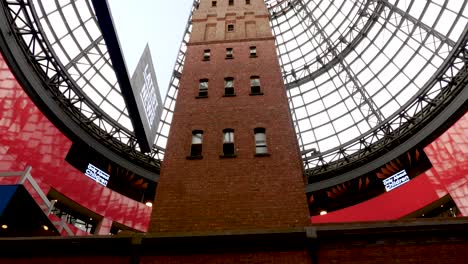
28, 138
449, 175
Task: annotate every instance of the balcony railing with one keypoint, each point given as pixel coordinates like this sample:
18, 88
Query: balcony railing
44, 203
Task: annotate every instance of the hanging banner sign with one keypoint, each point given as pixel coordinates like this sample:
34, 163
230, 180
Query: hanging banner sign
148, 100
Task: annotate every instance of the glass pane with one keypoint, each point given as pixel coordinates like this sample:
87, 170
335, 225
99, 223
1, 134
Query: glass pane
229, 83
261, 150
260, 137
255, 82
203, 85
228, 137
197, 138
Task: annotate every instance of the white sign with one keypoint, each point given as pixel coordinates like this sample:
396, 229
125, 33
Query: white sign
145, 102
396, 180
98, 175
148, 96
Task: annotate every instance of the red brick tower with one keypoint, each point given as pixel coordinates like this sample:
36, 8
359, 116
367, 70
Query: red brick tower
232, 160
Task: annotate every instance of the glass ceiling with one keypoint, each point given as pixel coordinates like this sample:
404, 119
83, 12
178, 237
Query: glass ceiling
72, 30
348, 66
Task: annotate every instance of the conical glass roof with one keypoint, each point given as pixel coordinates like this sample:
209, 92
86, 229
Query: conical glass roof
357, 73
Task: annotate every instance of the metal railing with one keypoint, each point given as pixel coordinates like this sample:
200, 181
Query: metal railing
48, 205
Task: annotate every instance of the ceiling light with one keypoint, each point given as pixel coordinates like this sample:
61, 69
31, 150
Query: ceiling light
4, 226
323, 212
149, 204
45, 227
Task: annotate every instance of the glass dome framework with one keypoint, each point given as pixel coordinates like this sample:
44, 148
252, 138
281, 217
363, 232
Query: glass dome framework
70, 71
361, 76
358, 72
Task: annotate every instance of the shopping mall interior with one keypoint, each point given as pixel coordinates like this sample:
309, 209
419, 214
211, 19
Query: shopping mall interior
292, 131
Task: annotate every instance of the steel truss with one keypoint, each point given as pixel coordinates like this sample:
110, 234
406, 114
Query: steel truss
331, 52
438, 105
327, 53
81, 117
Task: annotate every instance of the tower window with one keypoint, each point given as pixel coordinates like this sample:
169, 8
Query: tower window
230, 28
197, 142
231, 2
206, 54
255, 86
229, 86
229, 53
213, 3
253, 51
203, 88
247, 2
260, 141
228, 142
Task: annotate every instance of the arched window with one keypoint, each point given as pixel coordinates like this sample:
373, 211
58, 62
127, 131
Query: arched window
260, 141
229, 53
228, 142
203, 88
206, 54
255, 85
253, 51
229, 86
197, 143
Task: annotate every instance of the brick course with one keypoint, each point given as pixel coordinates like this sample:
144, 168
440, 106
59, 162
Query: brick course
291, 257
440, 253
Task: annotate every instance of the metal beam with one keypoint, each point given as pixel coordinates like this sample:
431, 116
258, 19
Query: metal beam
449, 106
109, 33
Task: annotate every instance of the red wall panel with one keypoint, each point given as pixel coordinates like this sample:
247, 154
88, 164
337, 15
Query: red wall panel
449, 156
27, 137
449, 174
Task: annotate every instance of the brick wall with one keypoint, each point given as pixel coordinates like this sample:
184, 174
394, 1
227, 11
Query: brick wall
439, 253
245, 192
409, 241
292, 257
67, 260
